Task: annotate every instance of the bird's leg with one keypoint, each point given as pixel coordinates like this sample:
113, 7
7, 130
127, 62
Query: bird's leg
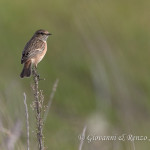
33, 71
36, 73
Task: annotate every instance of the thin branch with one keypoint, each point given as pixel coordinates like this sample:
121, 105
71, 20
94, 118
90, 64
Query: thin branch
38, 109
50, 99
27, 121
133, 144
82, 138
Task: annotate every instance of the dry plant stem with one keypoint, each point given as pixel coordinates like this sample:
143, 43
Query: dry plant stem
50, 99
38, 110
133, 144
27, 121
82, 138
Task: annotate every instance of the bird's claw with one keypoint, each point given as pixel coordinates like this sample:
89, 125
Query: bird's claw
38, 77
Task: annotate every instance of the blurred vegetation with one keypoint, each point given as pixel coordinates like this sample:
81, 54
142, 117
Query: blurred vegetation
100, 53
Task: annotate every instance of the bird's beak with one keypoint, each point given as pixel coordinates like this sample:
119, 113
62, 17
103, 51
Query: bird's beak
49, 34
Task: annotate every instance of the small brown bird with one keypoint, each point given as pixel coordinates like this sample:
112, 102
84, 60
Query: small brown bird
34, 51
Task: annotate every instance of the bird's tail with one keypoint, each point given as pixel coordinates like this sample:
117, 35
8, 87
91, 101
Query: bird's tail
26, 72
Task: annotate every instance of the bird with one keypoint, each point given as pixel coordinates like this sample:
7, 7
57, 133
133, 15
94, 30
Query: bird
34, 51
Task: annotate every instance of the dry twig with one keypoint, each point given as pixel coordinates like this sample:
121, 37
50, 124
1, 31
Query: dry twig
38, 109
82, 138
50, 99
27, 122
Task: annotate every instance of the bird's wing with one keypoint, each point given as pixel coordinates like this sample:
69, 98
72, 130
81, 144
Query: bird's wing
32, 48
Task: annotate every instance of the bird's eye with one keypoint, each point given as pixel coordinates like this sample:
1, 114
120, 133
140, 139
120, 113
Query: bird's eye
42, 33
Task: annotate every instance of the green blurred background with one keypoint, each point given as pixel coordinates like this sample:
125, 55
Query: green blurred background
100, 53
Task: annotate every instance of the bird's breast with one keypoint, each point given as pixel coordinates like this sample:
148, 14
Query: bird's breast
39, 56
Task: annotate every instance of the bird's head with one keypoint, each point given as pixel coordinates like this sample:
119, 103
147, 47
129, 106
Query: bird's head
42, 34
